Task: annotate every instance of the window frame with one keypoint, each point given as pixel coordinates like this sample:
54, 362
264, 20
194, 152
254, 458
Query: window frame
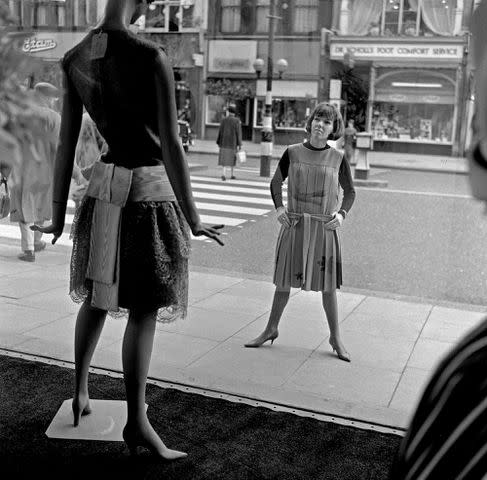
167, 4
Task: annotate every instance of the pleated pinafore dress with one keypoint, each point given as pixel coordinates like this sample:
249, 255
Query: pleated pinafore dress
308, 256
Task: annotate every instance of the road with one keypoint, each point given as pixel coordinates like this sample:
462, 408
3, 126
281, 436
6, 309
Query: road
421, 236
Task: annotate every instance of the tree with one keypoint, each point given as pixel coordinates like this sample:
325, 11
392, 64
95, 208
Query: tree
16, 102
355, 93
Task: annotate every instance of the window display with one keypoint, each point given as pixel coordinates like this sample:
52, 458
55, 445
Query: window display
412, 122
215, 110
287, 112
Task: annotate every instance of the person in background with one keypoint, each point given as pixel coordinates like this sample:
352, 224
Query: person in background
447, 436
229, 140
308, 252
30, 181
350, 137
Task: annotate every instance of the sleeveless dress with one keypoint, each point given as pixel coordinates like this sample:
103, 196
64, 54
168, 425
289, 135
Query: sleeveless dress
118, 92
308, 256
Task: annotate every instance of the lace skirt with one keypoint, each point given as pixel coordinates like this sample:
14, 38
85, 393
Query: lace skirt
154, 252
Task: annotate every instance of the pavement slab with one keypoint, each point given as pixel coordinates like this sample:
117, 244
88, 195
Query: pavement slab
337, 380
394, 342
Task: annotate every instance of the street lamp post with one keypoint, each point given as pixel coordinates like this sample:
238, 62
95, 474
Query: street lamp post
267, 134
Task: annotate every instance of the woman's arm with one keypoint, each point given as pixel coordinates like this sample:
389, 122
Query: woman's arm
280, 175
346, 182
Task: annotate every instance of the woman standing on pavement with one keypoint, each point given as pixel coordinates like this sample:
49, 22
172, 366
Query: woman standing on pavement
308, 254
229, 140
130, 237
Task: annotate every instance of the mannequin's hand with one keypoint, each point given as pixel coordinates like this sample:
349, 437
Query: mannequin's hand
56, 230
282, 217
210, 232
335, 222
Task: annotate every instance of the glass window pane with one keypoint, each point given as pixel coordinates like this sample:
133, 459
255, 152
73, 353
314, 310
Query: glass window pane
230, 22
156, 16
391, 21
305, 16
215, 109
262, 12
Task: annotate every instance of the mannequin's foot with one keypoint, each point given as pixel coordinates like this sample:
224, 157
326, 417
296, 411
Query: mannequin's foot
81, 407
224, 178
233, 177
340, 350
262, 338
146, 437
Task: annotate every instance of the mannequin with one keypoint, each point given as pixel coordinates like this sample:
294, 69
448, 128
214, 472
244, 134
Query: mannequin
155, 134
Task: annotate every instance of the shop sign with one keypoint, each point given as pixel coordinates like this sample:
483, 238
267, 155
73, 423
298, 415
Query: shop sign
375, 51
34, 44
235, 56
51, 45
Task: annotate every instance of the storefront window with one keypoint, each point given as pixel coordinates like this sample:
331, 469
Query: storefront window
412, 122
286, 112
215, 109
230, 22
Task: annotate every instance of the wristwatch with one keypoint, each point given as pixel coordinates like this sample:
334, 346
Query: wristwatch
342, 212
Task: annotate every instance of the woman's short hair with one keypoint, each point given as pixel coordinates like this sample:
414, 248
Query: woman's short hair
329, 112
232, 108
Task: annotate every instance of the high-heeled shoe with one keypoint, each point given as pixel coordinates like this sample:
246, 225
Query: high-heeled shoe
261, 339
136, 442
80, 408
341, 353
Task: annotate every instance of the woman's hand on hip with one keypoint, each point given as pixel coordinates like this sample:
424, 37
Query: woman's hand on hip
335, 222
210, 232
282, 217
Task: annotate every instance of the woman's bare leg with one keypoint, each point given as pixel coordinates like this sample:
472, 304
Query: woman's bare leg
281, 297
89, 325
330, 305
136, 354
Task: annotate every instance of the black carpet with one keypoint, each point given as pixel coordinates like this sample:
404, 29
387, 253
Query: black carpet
224, 440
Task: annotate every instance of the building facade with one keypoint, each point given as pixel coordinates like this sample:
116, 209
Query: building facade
237, 36
411, 55
55, 26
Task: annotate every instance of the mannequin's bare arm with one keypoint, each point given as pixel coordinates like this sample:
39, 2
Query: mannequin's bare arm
172, 149
68, 138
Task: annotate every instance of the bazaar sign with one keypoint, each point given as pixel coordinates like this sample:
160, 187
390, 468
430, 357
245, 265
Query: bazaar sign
400, 51
34, 44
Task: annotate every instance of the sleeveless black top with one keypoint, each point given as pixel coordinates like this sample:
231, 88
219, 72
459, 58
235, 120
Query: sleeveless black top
118, 92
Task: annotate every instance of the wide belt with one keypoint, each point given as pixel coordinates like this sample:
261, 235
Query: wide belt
306, 219
113, 187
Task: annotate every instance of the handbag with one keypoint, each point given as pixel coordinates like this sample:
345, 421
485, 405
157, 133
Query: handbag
4, 198
241, 156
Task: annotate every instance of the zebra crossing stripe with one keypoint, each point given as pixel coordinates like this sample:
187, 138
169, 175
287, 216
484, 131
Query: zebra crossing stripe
256, 196
233, 198
231, 208
231, 189
251, 183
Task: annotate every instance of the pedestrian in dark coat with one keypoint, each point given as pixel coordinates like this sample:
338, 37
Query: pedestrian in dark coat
229, 140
